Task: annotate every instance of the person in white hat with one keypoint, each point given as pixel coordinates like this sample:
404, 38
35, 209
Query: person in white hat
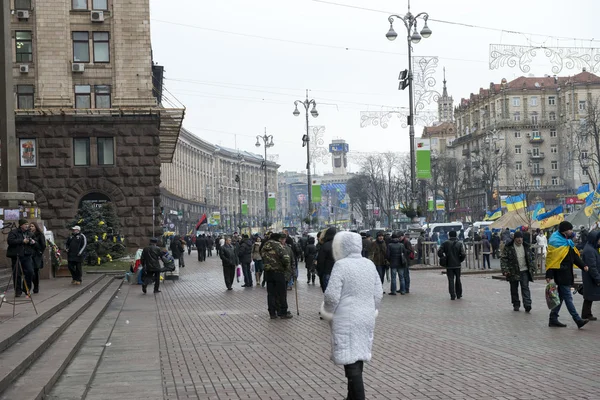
75, 247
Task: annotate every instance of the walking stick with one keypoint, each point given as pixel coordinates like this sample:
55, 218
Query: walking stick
296, 289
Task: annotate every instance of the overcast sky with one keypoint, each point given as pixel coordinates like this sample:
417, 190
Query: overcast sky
238, 65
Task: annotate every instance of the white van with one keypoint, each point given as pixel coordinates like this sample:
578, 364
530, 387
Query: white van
442, 229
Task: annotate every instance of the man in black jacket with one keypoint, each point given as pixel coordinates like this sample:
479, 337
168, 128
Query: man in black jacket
75, 246
453, 252
518, 268
230, 261
245, 257
201, 247
151, 264
397, 256
20, 250
325, 258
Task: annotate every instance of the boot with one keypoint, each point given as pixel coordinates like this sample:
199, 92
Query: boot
257, 278
313, 279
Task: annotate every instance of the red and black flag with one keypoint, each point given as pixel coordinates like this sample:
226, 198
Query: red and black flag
202, 220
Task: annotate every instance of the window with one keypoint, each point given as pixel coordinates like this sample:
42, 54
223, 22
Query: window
536, 167
551, 100
554, 149
79, 4
516, 101
24, 46
582, 105
101, 47
83, 98
534, 118
81, 152
22, 4
554, 165
584, 154
535, 135
536, 151
25, 97
102, 96
552, 132
517, 116
554, 180
518, 149
100, 4
533, 101
517, 134
106, 151
552, 116
537, 182
518, 166
81, 47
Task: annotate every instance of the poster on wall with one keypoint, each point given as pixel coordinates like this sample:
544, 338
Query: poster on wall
28, 151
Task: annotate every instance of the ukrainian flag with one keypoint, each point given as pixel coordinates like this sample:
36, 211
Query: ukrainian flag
551, 218
493, 215
537, 210
558, 249
592, 201
514, 203
583, 191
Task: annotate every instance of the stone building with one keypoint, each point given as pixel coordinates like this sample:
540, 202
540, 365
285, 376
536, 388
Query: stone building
202, 180
89, 124
529, 131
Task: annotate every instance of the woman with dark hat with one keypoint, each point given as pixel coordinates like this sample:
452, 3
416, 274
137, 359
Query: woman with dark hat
38, 254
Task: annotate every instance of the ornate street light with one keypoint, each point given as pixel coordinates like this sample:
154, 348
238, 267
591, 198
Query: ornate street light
306, 142
267, 142
412, 36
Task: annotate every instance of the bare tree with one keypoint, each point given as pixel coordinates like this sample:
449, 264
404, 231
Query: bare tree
357, 188
587, 141
488, 160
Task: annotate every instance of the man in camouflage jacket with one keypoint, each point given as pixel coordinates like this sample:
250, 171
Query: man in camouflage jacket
278, 271
518, 267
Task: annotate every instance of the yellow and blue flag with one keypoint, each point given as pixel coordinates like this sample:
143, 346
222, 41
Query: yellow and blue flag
551, 218
592, 201
558, 249
583, 191
493, 215
537, 209
514, 203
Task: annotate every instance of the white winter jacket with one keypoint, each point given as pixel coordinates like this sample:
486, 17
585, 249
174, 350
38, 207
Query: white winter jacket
352, 301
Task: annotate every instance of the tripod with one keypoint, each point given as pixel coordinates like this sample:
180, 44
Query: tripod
15, 300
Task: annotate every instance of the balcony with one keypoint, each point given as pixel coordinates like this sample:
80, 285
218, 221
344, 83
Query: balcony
537, 171
536, 139
538, 156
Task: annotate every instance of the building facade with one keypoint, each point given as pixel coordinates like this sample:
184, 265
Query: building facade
89, 124
202, 180
524, 135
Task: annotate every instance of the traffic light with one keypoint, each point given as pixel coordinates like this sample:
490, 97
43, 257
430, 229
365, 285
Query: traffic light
403, 78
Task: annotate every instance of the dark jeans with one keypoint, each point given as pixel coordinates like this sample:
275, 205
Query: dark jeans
228, 274
324, 281
454, 284
495, 252
486, 258
400, 273
156, 277
38, 263
75, 269
586, 310
201, 253
209, 250
276, 293
381, 271
181, 262
27, 266
514, 290
564, 292
356, 387
407, 278
247, 274
189, 248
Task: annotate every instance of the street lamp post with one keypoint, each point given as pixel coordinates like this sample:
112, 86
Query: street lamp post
238, 179
267, 142
410, 22
306, 142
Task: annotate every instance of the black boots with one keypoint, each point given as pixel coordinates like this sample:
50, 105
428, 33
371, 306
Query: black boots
557, 324
581, 323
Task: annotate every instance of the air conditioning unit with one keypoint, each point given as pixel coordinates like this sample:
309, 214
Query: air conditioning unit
24, 68
97, 16
529, 135
77, 67
23, 14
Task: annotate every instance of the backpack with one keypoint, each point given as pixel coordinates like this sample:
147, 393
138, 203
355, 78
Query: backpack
408, 246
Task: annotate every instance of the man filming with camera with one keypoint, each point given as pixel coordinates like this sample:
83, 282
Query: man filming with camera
20, 251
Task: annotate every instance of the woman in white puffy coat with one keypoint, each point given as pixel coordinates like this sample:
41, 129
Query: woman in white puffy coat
351, 305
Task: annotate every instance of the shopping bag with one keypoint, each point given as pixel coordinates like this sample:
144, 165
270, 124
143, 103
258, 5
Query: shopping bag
238, 272
252, 270
552, 297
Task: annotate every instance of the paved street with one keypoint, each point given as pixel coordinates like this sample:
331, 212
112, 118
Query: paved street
208, 343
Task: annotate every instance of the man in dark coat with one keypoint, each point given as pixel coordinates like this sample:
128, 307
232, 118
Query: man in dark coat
378, 254
366, 245
278, 272
230, 261
397, 256
309, 257
519, 268
325, 258
591, 277
20, 251
495, 242
188, 243
210, 242
177, 250
75, 246
454, 253
245, 257
151, 266
201, 247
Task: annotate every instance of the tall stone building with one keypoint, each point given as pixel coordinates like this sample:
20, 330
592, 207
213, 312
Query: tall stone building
526, 131
89, 125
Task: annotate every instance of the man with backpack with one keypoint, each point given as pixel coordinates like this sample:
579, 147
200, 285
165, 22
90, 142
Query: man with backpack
452, 254
410, 255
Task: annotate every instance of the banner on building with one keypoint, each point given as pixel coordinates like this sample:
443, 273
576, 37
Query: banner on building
245, 207
316, 192
272, 201
430, 204
440, 205
423, 159
215, 219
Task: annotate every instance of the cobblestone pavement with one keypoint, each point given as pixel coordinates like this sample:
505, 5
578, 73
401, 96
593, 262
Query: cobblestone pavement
221, 345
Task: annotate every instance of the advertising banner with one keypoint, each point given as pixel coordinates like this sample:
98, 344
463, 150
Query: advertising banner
272, 202
423, 159
245, 207
316, 192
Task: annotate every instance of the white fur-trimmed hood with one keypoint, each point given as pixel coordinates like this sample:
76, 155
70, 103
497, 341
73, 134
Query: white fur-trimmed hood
346, 244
